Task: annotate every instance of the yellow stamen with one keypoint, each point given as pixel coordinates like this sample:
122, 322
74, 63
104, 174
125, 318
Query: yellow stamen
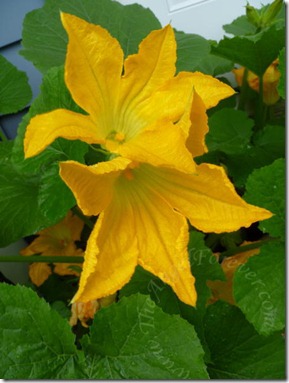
119, 137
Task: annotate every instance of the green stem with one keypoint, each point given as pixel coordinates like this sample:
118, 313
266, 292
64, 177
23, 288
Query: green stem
39, 258
243, 90
80, 215
260, 107
242, 249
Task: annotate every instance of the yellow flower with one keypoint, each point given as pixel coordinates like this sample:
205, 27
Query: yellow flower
57, 240
224, 289
153, 123
270, 82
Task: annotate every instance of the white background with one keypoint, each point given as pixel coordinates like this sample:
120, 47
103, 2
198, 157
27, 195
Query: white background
202, 17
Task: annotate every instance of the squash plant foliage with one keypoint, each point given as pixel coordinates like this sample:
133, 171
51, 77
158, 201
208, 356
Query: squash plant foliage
154, 213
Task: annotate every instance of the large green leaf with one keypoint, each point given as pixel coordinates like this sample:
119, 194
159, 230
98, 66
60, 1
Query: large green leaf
259, 289
15, 92
35, 342
32, 194
44, 39
230, 131
204, 266
237, 350
135, 339
253, 52
266, 188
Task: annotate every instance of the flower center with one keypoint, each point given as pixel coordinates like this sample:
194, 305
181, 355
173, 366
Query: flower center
116, 136
113, 140
128, 172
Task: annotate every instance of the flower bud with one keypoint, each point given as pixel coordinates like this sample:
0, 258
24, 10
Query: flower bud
253, 15
271, 12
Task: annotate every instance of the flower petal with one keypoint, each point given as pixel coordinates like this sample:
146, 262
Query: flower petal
162, 144
150, 68
111, 253
168, 102
43, 129
163, 238
210, 89
92, 186
93, 68
199, 127
39, 272
208, 198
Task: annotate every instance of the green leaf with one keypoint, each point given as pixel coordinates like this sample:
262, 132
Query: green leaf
253, 52
44, 39
191, 49
35, 342
282, 69
15, 92
240, 27
267, 146
259, 289
237, 350
266, 188
135, 339
32, 194
204, 266
194, 54
230, 131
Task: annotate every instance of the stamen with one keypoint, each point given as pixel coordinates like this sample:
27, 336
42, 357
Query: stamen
119, 137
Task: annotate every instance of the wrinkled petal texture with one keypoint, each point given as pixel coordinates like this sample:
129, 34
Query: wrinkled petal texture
93, 68
137, 227
92, 185
151, 146
111, 253
43, 129
126, 97
208, 198
211, 90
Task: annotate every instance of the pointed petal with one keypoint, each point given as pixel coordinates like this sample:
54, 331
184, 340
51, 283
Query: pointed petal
39, 272
210, 89
208, 198
111, 253
43, 129
93, 68
150, 68
199, 127
92, 186
163, 144
163, 239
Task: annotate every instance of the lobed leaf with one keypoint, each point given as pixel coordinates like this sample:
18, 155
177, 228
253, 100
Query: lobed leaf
135, 339
35, 342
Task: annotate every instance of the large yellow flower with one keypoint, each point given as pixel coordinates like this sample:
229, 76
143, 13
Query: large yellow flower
153, 123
